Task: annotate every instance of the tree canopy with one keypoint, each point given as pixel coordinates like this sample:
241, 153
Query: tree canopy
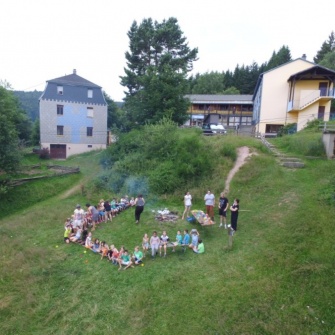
329, 60
10, 121
156, 75
326, 47
241, 81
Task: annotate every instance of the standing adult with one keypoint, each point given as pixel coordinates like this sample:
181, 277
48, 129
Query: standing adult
139, 206
108, 211
78, 216
94, 213
210, 202
234, 208
223, 207
188, 204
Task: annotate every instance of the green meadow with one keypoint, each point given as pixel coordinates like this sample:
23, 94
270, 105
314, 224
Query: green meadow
279, 277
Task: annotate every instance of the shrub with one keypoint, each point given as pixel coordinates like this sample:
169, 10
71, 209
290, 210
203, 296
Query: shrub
289, 129
44, 153
161, 156
314, 125
164, 179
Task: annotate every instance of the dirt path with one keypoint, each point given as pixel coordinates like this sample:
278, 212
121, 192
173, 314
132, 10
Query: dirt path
72, 190
242, 154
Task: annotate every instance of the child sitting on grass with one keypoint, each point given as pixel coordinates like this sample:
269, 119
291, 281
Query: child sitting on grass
154, 244
200, 249
186, 239
179, 240
110, 252
145, 244
96, 246
103, 249
88, 242
125, 260
67, 233
137, 256
164, 241
77, 236
115, 256
194, 238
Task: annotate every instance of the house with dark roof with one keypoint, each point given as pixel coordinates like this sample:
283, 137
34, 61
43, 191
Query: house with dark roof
293, 93
228, 110
73, 116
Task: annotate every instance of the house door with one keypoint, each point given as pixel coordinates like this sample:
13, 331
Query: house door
58, 151
323, 89
321, 112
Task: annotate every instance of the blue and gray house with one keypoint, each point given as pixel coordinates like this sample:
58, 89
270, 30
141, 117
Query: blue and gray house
73, 116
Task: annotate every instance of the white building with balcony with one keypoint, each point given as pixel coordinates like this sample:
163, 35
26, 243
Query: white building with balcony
295, 92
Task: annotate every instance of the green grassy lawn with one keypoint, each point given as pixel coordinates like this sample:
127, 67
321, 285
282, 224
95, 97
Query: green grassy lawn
277, 279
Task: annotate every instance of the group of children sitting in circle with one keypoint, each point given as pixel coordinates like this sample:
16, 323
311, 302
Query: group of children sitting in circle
104, 211
77, 232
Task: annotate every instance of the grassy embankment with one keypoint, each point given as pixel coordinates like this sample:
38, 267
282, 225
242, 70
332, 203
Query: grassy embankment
278, 279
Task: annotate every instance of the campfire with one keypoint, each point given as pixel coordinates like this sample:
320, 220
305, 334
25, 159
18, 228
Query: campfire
165, 215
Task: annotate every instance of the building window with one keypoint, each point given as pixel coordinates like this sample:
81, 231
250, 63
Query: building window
60, 109
90, 93
60, 90
60, 130
89, 146
89, 131
90, 112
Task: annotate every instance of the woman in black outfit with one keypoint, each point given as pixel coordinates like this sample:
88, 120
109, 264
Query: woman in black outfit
139, 206
234, 213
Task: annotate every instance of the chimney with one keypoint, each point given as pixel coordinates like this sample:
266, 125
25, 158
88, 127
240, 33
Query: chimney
304, 56
74, 71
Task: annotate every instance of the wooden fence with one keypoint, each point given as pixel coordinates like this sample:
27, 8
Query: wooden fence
60, 171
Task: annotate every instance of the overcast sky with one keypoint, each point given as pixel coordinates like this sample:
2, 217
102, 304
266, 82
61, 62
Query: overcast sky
46, 39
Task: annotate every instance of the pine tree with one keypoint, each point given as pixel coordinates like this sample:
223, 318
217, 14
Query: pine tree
157, 65
327, 46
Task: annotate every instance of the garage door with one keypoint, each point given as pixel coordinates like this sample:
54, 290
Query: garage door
58, 151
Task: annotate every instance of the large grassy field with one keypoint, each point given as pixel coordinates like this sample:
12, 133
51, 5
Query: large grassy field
279, 277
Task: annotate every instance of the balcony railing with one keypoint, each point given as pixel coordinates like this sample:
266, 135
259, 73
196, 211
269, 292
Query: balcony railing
309, 99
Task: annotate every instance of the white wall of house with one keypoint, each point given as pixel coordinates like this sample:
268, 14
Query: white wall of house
275, 94
75, 149
75, 120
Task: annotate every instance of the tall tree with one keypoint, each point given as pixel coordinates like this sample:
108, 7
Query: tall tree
35, 134
117, 119
278, 58
327, 46
9, 137
157, 65
329, 60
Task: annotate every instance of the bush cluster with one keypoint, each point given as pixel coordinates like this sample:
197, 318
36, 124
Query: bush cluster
159, 158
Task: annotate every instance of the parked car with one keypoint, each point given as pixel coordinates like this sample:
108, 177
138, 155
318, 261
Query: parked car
213, 129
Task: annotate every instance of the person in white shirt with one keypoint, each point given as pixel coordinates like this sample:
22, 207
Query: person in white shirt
164, 241
188, 204
210, 202
78, 216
